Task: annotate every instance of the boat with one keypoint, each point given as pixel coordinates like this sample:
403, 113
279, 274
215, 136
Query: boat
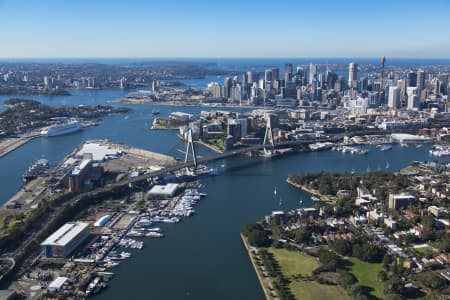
321, 146
71, 125
92, 285
155, 112
275, 191
301, 201
281, 202
385, 148
314, 198
39, 168
154, 234
387, 165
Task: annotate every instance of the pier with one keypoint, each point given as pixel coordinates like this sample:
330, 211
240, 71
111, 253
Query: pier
8, 145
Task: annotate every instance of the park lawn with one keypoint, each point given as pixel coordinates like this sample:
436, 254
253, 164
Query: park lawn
425, 250
312, 290
367, 273
294, 263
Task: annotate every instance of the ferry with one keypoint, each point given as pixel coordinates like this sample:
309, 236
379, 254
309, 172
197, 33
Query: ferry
155, 112
72, 125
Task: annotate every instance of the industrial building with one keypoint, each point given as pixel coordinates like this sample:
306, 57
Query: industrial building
409, 138
83, 174
66, 239
165, 191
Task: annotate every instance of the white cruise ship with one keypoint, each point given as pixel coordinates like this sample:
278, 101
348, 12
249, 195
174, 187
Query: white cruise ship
69, 126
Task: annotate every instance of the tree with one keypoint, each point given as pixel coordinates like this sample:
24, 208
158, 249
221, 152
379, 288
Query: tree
256, 235
346, 279
302, 236
431, 280
343, 247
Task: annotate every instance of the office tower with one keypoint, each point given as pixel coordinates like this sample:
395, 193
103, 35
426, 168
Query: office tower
245, 80
383, 61
268, 76
227, 83
275, 74
420, 80
352, 74
288, 69
394, 97
215, 89
363, 84
413, 98
411, 79
374, 99
312, 73
443, 79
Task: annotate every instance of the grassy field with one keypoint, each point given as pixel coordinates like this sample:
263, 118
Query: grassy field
311, 290
367, 273
294, 263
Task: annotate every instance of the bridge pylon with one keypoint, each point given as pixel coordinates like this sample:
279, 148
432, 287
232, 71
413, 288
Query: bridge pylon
190, 148
268, 136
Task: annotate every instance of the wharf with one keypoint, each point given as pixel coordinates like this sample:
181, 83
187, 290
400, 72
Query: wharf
8, 145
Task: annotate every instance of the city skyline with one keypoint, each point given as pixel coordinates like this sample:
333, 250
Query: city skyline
109, 29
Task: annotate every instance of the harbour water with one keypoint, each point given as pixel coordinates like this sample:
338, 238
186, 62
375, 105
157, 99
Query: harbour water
201, 257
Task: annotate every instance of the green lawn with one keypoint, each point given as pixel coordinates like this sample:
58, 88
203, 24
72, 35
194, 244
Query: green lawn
424, 250
311, 290
294, 263
367, 273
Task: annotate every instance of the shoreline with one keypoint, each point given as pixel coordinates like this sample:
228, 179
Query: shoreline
324, 198
175, 103
211, 147
255, 267
10, 144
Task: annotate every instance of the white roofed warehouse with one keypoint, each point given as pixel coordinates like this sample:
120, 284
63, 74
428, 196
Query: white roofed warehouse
66, 239
163, 191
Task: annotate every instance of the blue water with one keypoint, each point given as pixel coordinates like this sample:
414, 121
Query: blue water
202, 257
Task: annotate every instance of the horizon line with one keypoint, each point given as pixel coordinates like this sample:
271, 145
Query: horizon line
221, 57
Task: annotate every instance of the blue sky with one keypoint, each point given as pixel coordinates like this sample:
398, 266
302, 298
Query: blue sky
226, 28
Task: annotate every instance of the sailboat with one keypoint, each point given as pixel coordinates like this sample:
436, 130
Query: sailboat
275, 191
281, 202
301, 201
387, 165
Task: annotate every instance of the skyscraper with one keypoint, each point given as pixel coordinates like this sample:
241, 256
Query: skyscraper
227, 83
352, 74
413, 98
420, 80
275, 74
288, 69
394, 97
312, 73
268, 76
411, 79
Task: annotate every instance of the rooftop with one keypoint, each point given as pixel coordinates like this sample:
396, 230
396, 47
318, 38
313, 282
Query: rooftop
99, 152
65, 234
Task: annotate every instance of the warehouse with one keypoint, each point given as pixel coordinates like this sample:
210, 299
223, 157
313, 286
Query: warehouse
164, 191
66, 239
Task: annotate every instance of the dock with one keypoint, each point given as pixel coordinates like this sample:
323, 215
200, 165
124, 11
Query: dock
8, 145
